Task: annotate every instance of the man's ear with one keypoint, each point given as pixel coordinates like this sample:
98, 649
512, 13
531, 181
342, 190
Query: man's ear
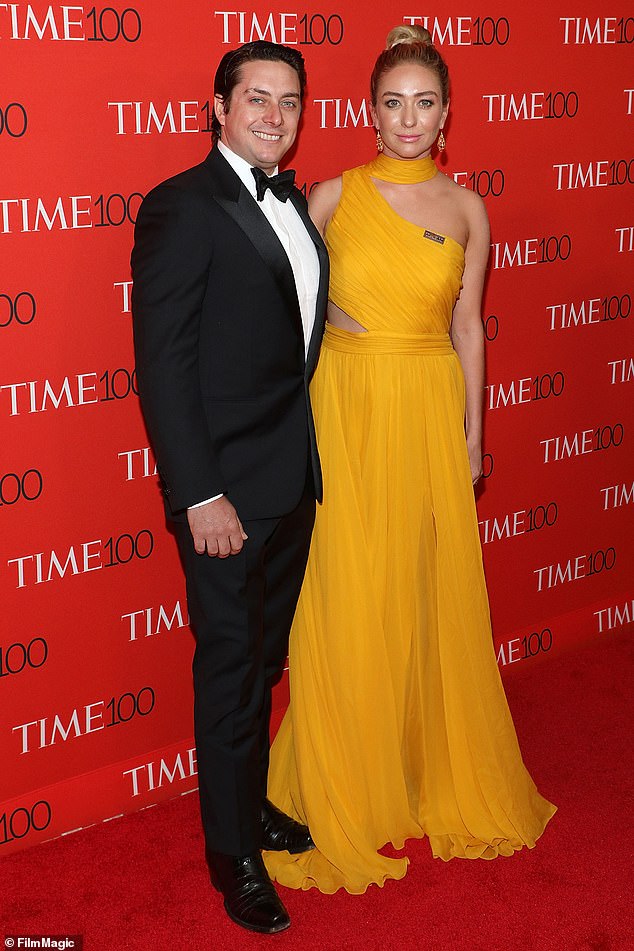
219, 109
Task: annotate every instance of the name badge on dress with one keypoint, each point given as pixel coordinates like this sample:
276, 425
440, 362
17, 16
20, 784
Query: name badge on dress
438, 238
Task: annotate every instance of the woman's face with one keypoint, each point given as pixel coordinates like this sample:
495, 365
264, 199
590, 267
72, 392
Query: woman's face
409, 111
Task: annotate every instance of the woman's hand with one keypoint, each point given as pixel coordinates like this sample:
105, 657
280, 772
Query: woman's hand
475, 462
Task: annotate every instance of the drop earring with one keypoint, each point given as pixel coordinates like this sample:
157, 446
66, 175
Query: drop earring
441, 142
379, 141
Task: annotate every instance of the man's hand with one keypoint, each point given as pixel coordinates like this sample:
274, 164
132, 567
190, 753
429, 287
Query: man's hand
216, 528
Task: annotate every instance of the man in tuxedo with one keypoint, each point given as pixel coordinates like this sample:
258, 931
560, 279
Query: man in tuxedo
230, 285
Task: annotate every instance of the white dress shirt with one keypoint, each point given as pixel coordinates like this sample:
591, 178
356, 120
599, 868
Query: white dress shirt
297, 243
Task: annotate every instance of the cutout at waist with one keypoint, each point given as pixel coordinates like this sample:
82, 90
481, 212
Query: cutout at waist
348, 323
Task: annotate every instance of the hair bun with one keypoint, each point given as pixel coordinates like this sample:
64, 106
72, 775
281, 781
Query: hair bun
408, 34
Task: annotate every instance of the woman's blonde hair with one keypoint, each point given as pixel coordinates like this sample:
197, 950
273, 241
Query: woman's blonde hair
410, 44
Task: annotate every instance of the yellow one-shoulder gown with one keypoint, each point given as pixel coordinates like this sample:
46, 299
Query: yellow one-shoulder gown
398, 725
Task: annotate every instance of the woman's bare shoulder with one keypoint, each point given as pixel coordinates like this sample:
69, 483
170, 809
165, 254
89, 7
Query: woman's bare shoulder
471, 208
469, 201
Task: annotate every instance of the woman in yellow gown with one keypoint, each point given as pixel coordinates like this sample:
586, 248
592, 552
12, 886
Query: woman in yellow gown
398, 725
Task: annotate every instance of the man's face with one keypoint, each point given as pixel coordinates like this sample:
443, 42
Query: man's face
259, 123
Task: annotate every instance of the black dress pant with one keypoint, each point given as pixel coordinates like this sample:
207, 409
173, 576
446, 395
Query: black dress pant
241, 608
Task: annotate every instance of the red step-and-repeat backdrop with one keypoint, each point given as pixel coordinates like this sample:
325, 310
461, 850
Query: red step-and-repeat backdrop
98, 104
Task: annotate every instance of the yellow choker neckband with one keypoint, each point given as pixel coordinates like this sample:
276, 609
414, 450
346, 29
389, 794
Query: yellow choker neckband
401, 171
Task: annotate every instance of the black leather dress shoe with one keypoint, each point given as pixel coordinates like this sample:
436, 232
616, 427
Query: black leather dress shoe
250, 897
280, 833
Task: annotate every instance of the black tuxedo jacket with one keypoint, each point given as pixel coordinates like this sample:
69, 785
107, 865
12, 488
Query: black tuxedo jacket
219, 345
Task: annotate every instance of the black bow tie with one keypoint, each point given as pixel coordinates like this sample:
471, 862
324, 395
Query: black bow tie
281, 185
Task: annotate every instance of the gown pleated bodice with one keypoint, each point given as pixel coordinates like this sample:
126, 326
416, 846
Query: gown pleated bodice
398, 724
388, 274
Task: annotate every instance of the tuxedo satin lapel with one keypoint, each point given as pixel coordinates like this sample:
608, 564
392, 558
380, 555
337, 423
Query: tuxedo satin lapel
324, 274
253, 222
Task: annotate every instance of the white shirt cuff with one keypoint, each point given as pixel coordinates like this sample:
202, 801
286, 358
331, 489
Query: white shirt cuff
198, 504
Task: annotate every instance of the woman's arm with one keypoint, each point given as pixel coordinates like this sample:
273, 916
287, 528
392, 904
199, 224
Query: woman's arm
322, 202
467, 332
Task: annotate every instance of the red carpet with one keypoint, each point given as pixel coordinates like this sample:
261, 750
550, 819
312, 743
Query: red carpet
139, 883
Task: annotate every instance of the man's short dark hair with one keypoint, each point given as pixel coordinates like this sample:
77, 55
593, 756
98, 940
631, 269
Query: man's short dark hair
229, 70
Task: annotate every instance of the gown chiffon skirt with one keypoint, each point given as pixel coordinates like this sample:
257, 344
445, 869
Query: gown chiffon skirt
398, 724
